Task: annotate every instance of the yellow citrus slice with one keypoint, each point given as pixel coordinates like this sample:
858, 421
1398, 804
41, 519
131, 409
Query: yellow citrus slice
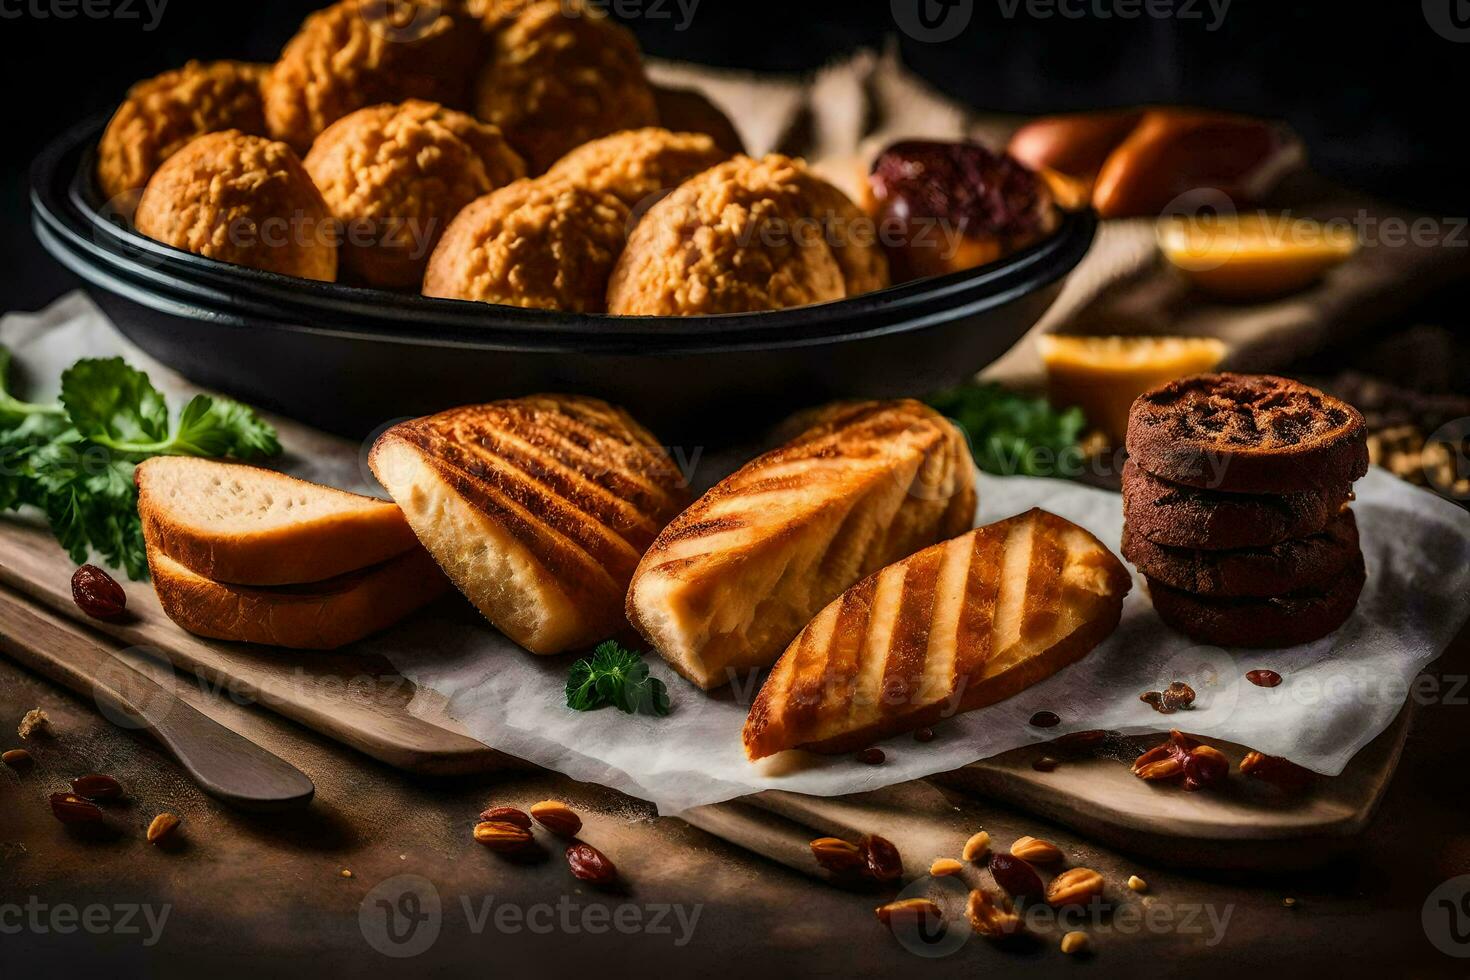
1103, 375
1254, 256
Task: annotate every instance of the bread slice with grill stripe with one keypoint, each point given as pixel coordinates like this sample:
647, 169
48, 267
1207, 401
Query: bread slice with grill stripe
960, 625
537, 508
734, 578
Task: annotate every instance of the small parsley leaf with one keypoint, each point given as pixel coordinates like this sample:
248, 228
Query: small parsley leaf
615, 676
1013, 434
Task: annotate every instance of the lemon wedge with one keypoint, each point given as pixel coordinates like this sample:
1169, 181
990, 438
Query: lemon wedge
1254, 256
1103, 375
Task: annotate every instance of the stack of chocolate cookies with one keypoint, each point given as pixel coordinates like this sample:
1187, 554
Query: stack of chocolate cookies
1235, 508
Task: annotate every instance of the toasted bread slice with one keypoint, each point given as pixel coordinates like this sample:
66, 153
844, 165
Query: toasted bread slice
250, 526
538, 509
1247, 433
315, 616
736, 576
958, 626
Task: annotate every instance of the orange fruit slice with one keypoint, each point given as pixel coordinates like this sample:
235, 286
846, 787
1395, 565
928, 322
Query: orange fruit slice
1103, 375
1254, 256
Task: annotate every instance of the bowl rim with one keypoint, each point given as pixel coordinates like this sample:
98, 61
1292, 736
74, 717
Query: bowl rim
66, 199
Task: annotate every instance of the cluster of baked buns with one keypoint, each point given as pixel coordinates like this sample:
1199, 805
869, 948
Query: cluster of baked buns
1235, 502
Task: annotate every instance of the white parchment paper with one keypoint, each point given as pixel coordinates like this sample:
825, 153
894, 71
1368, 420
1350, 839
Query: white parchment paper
1336, 696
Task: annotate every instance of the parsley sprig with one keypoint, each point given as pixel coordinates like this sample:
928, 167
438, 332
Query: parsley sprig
1013, 434
74, 459
615, 676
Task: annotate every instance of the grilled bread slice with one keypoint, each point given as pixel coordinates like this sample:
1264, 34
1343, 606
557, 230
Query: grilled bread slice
958, 626
313, 616
736, 576
251, 526
538, 508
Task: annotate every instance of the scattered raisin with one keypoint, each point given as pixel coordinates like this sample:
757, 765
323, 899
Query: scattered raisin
97, 594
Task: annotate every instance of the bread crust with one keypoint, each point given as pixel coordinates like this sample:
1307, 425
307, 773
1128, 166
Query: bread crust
315, 616
1272, 623
1243, 433
1179, 516
1299, 565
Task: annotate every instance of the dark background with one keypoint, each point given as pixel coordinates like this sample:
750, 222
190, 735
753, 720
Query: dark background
1375, 90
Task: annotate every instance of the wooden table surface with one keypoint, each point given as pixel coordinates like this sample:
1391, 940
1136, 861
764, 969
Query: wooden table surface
242, 890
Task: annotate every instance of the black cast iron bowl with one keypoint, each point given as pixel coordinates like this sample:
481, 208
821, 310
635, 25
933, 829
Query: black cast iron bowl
349, 359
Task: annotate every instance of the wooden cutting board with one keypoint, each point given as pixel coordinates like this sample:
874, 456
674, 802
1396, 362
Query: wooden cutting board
361, 702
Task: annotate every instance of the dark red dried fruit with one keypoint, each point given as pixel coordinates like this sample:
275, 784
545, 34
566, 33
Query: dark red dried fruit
883, 861
1045, 719
924, 735
963, 184
1045, 764
591, 865
1263, 678
1176, 696
97, 594
96, 786
70, 808
506, 814
1017, 877
1204, 767
873, 757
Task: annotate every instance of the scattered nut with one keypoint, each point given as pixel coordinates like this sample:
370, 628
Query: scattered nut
976, 847
945, 866
1279, 772
557, 817
1289, 903
1075, 886
1044, 763
162, 827
347, 872
1171, 699
97, 594
591, 865
872, 756
35, 722
882, 858
837, 855
1075, 942
1200, 765
1137, 884
992, 915
917, 911
96, 786
1205, 766
1158, 764
1036, 851
1018, 878
16, 758
503, 838
72, 809
507, 814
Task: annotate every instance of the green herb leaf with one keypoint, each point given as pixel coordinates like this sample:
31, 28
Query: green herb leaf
112, 403
1013, 434
615, 676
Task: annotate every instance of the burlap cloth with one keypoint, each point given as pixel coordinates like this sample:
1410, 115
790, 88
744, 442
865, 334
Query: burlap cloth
840, 117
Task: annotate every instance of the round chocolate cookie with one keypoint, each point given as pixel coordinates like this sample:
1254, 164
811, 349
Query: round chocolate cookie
1247, 433
1177, 516
1300, 565
1284, 621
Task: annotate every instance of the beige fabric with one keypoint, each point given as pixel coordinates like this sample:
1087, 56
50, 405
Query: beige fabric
839, 118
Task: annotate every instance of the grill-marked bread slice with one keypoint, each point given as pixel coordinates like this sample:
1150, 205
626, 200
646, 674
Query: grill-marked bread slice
538, 508
958, 626
251, 526
312, 616
737, 575
1247, 433
1312, 562
1178, 516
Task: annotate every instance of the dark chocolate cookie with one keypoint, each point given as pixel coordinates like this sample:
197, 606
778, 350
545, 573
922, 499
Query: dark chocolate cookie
1284, 621
1185, 517
1299, 565
1247, 433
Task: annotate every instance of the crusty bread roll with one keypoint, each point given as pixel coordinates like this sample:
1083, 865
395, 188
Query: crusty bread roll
538, 508
251, 526
736, 576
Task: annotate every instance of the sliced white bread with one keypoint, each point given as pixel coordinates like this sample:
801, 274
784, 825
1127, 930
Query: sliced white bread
250, 526
317, 616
